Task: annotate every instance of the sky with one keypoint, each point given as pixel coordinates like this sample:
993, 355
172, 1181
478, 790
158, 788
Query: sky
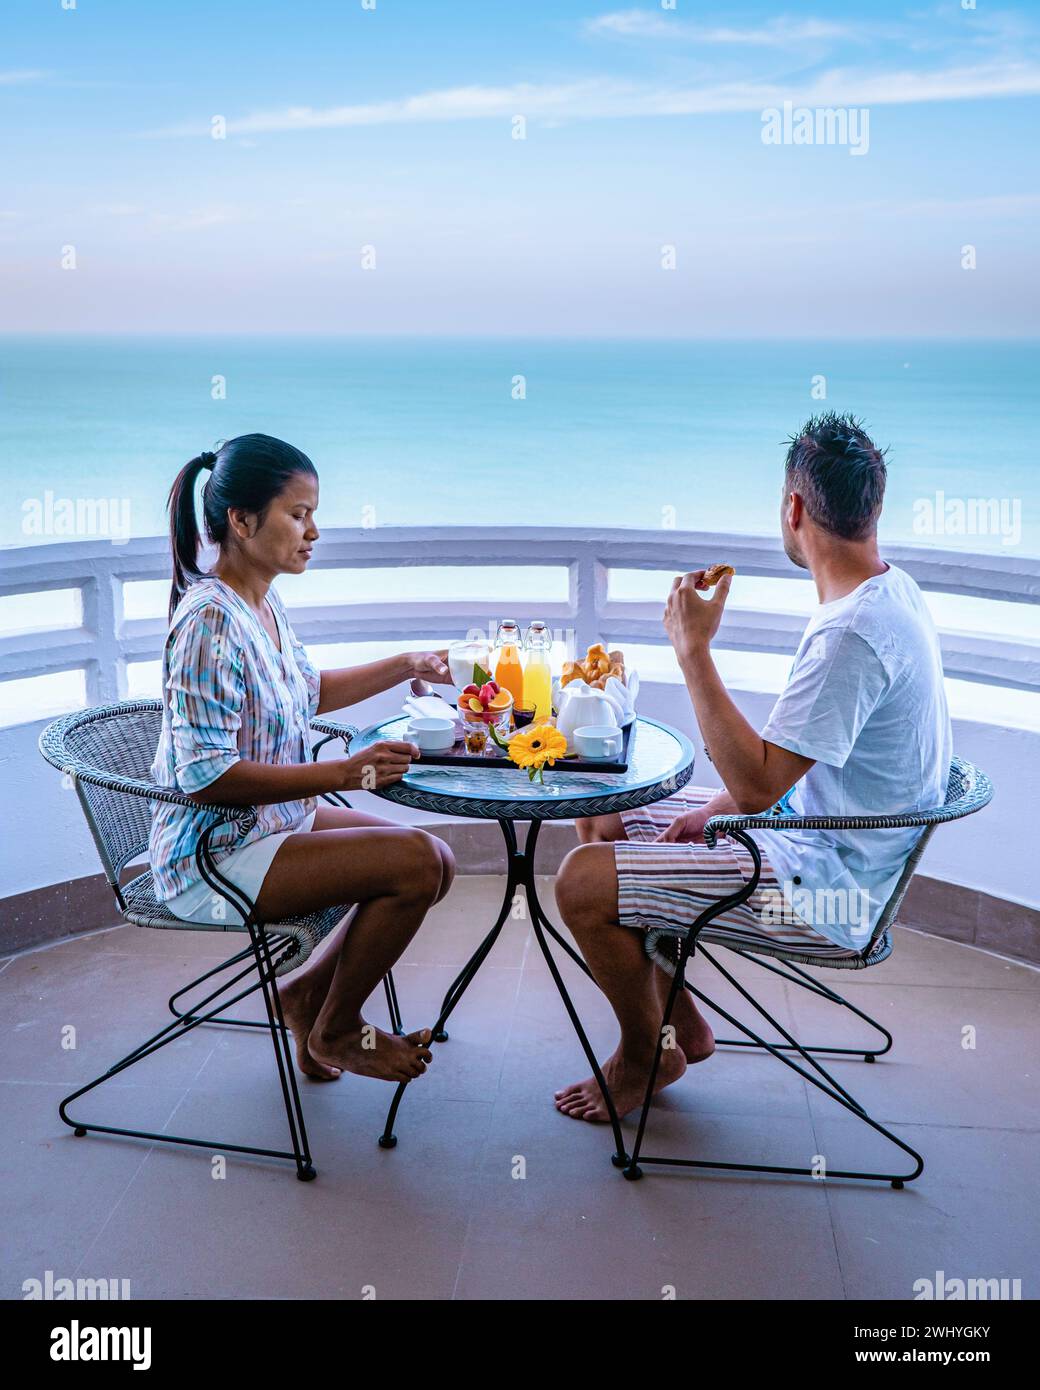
370, 179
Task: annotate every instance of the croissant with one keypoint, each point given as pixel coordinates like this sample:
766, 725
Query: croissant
717, 572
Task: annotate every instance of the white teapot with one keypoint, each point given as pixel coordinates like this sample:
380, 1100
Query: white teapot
577, 704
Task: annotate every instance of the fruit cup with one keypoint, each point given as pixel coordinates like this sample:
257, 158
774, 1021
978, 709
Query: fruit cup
485, 705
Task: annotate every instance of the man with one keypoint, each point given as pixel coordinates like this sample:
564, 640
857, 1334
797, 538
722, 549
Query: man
862, 728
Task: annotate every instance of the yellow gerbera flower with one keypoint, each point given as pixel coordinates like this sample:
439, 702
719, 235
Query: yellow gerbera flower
533, 748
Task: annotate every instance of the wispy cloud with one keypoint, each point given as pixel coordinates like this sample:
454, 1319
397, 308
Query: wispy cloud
603, 98
1009, 206
15, 78
780, 32
944, 28
198, 219
118, 210
190, 220
995, 205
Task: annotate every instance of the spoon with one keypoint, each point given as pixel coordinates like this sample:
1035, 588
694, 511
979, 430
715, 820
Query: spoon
420, 687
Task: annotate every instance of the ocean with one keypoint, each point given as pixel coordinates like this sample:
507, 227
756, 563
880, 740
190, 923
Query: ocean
685, 434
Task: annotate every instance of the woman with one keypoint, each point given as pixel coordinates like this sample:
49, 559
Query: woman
238, 692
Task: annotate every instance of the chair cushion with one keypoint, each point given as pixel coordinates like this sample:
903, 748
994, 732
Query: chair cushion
143, 909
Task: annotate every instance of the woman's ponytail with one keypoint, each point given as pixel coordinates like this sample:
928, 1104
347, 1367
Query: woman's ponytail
184, 527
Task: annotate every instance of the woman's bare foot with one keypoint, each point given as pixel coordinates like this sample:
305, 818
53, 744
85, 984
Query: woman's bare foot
626, 1080
693, 1034
368, 1051
300, 1008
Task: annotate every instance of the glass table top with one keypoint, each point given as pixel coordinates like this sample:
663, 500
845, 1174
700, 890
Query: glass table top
658, 757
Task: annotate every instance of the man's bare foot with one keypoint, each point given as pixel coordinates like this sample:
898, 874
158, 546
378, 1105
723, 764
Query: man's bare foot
693, 1034
300, 1009
368, 1051
626, 1080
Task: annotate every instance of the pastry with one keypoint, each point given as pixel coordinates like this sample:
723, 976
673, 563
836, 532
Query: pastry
597, 665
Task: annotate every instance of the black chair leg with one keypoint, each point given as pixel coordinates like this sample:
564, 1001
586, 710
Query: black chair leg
177, 1029
822, 1080
283, 1055
632, 1170
247, 951
811, 986
390, 988
813, 1071
540, 923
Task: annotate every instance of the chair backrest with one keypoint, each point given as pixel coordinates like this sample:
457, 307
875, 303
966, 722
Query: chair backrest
110, 740
967, 791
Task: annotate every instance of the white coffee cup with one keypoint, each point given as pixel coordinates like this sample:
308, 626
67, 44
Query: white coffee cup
597, 741
432, 735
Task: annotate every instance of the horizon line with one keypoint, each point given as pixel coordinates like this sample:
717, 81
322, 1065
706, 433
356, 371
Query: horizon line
591, 337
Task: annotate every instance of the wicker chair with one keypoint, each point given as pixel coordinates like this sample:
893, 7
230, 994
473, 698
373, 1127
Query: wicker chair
107, 753
968, 791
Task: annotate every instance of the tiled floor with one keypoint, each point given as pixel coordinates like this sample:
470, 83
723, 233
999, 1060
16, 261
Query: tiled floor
444, 1214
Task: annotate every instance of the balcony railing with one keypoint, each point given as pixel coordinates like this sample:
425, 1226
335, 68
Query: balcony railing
106, 642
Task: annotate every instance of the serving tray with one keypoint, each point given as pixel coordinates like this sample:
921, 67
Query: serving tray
458, 757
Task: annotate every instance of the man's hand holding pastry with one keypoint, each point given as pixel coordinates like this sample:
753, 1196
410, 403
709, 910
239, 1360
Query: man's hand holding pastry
690, 620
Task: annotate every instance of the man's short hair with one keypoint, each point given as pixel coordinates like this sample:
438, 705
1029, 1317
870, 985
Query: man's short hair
839, 473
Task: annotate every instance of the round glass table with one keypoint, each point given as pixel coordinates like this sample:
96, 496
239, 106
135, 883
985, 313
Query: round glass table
660, 762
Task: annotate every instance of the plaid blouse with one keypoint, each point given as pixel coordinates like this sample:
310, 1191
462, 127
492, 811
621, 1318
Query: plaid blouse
228, 695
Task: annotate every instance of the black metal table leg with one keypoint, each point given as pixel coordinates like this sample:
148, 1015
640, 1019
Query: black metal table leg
515, 876
520, 873
458, 987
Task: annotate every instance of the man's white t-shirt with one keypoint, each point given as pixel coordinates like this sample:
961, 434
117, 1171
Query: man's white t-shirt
866, 700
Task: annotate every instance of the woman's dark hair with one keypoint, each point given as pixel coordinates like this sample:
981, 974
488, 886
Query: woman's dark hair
247, 472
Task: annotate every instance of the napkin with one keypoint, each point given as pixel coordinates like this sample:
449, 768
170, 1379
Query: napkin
427, 707
622, 697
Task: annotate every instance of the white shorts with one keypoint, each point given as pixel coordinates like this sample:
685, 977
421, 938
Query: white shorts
246, 868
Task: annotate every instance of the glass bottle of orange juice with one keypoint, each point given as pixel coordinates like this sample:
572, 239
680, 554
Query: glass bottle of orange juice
538, 671
509, 672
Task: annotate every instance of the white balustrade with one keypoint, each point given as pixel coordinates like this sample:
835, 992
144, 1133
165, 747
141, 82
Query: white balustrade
105, 642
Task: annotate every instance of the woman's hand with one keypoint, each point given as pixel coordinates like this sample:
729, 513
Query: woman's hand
430, 666
376, 766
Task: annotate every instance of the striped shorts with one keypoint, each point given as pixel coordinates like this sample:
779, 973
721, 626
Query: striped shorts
662, 887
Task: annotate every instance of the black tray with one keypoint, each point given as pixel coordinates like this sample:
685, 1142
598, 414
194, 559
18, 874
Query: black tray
458, 757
